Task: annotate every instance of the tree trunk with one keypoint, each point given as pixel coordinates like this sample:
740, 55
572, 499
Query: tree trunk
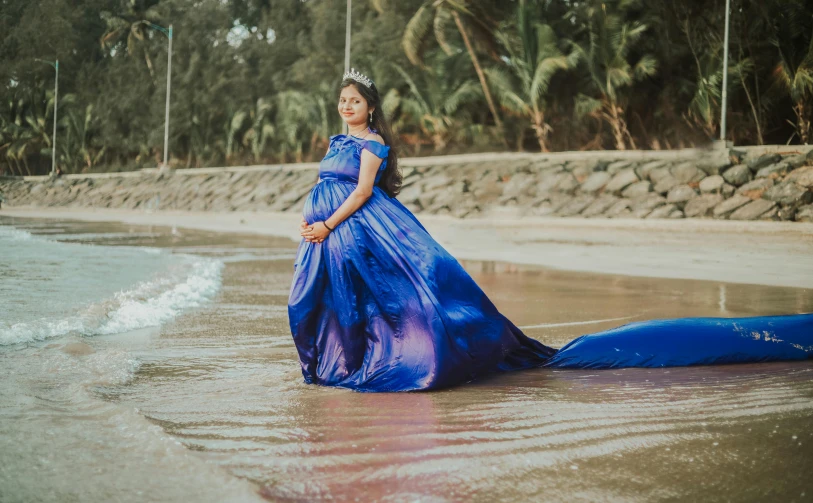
802, 122
480, 75
541, 129
619, 125
149, 63
615, 123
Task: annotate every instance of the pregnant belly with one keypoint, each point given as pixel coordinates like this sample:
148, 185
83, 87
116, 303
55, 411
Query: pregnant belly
325, 198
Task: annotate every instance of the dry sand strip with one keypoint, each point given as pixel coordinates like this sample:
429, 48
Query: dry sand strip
762, 253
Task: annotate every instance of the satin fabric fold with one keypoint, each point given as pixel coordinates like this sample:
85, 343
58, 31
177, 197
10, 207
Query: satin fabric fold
381, 306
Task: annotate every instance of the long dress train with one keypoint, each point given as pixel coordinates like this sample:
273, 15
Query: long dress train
381, 306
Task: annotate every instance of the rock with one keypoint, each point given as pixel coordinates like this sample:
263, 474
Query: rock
736, 155
680, 194
665, 184
600, 205
640, 213
753, 210
810, 155
621, 180
576, 205
543, 210
802, 176
774, 170
662, 211
484, 193
676, 214
648, 202
410, 194
519, 184
619, 208
687, 172
715, 162
787, 213
738, 175
582, 171
805, 213
726, 207
702, 205
617, 166
658, 174
711, 184
595, 182
764, 160
549, 181
796, 161
758, 184
788, 193
727, 190
568, 184
644, 170
774, 214
436, 181
755, 188
637, 189
577, 166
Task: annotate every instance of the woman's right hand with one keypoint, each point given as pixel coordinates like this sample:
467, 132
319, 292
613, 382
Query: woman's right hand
303, 226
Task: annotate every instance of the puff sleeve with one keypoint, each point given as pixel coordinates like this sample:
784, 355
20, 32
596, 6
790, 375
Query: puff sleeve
378, 149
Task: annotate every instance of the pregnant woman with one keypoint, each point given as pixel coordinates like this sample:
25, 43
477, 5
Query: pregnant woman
376, 304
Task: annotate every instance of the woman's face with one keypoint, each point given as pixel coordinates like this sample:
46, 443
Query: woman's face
353, 107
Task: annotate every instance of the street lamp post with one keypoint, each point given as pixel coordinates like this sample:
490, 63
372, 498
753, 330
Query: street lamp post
725, 74
55, 64
347, 50
168, 33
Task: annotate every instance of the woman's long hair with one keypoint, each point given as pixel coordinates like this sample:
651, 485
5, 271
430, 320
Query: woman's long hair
391, 179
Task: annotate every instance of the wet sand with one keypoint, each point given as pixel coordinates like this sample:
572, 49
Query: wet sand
224, 381
759, 253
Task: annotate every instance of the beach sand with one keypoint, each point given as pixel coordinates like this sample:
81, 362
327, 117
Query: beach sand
759, 253
210, 405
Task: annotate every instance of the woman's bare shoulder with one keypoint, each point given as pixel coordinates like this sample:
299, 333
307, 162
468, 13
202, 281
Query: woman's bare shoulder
376, 137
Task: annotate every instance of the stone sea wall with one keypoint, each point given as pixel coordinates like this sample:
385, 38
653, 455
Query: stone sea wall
738, 184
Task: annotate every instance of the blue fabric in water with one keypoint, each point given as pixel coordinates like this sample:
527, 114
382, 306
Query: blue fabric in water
691, 341
381, 306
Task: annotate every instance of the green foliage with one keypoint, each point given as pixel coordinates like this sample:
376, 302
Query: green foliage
256, 81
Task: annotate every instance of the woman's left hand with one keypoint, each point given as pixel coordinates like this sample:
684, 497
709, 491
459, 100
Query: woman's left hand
315, 232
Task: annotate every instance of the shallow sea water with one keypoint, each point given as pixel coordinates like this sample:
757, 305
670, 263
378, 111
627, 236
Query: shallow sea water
207, 403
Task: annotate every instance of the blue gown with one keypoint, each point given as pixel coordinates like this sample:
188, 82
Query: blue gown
381, 306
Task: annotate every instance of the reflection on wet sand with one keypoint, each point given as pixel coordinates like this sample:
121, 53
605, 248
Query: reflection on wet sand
225, 382
633, 434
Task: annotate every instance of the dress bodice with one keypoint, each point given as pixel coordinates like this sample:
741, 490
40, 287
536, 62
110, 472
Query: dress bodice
343, 159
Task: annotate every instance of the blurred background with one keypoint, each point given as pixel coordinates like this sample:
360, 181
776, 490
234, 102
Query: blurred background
256, 81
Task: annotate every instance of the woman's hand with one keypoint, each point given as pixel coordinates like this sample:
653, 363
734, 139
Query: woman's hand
303, 226
315, 233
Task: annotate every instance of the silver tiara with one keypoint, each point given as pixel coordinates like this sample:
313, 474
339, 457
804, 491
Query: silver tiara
358, 77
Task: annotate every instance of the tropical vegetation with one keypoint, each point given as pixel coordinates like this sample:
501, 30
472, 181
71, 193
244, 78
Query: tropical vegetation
255, 81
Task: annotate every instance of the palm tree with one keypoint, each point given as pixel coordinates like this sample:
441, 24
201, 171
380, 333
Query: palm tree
76, 149
534, 57
251, 129
793, 73
297, 121
605, 54
25, 128
129, 25
704, 107
437, 14
432, 104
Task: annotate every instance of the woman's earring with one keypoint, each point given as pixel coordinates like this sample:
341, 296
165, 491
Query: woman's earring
371, 117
